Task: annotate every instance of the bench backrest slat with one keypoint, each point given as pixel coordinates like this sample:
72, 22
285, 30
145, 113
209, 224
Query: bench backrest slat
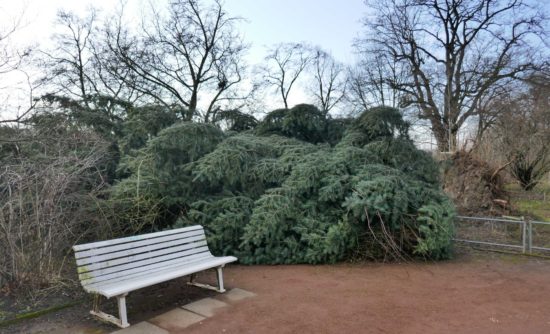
136, 244
110, 260
161, 255
193, 241
98, 244
201, 251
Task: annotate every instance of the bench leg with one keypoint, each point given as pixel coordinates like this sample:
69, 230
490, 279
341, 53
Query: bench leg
219, 272
121, 301
122, 321
219, 276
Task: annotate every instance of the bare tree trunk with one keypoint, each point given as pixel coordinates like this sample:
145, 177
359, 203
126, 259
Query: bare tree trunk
441, 135
192, 106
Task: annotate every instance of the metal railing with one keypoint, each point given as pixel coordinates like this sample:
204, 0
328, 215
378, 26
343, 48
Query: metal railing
523, 234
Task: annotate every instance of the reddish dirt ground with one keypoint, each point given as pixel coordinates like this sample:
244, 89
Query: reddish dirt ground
477, 293
498, 295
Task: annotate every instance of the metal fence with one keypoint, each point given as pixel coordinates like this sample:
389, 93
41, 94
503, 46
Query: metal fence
525, 235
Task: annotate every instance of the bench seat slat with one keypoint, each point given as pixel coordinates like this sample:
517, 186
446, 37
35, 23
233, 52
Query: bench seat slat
118, 288
136, 244
176, 251
78, 248
123, 271
144, 263
140, 250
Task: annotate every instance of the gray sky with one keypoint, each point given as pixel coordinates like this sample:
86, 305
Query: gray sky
330, 24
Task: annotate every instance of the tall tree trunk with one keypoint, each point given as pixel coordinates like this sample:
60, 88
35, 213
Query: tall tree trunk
192, 106
445, 142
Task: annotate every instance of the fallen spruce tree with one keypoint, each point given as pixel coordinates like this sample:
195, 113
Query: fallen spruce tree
297, 188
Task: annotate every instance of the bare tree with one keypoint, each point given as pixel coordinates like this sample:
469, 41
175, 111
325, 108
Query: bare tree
191, 55
70, 62
372, 82
329, 82
82, 78
455, 52
10, 58
491, 107
15, 82
283, 66
522, 132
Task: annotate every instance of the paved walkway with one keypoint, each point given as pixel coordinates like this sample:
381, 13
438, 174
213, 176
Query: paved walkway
186, 315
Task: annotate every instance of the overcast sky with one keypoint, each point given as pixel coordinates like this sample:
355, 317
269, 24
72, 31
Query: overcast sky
328, 23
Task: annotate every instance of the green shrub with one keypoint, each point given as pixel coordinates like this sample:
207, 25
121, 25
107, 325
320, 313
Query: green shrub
143, 124
279, 198
303, 121
436, 230
235, 120
160, 184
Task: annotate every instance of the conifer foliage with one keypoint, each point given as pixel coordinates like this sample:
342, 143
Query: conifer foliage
287, 191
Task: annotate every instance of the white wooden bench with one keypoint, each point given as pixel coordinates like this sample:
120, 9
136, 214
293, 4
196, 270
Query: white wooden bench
113, 268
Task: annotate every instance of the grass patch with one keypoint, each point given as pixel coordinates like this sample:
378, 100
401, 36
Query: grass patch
542, 187
534, 203
35, 314
540, 210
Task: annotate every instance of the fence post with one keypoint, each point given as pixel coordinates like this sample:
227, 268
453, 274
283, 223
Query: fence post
524, 236
529, 235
